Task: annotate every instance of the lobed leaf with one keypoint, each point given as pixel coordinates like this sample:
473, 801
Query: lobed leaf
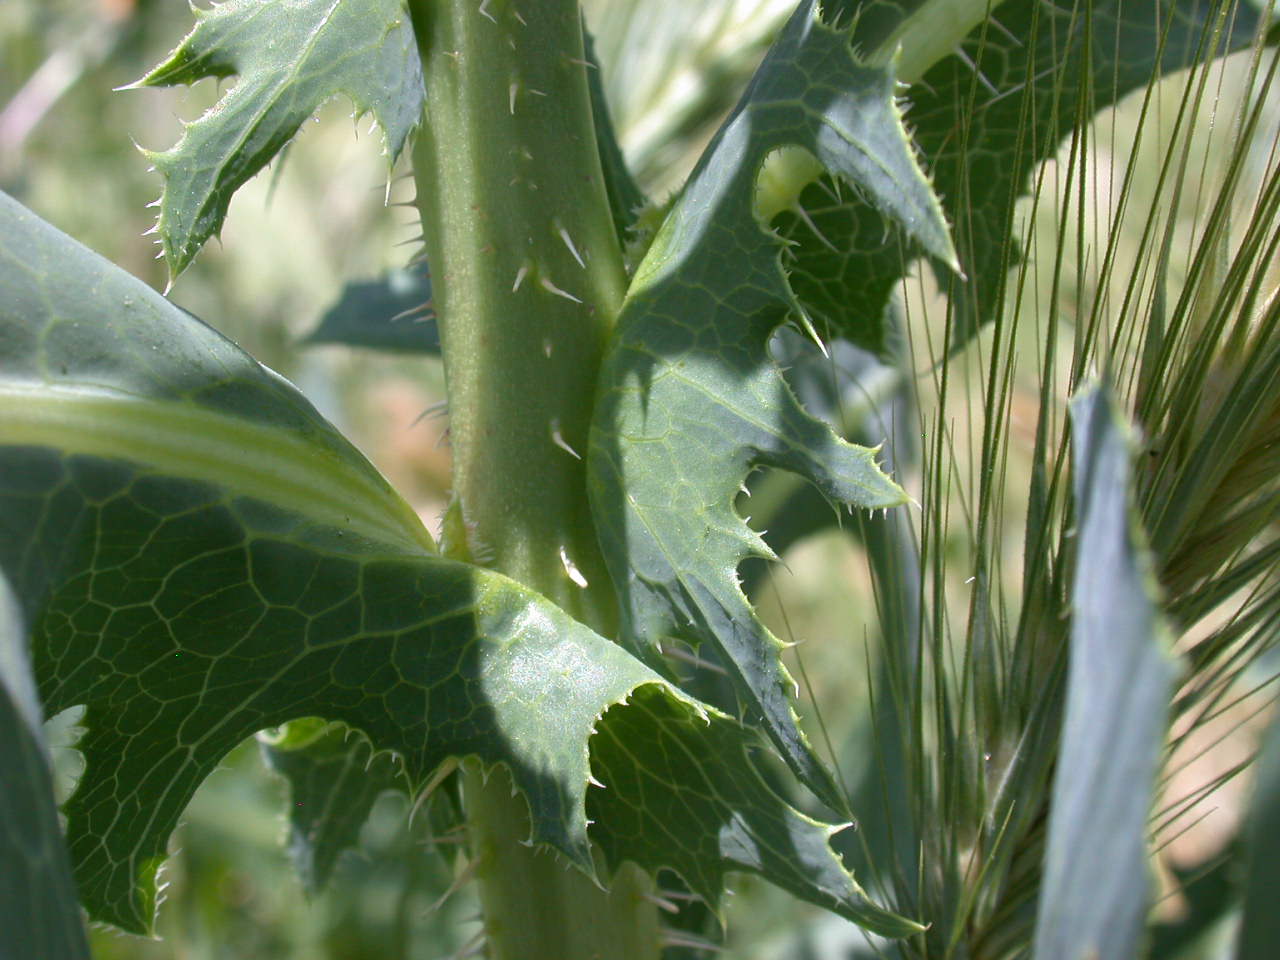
290, 58
1094, 899
335, 776
200, 556
39, 913
690, 400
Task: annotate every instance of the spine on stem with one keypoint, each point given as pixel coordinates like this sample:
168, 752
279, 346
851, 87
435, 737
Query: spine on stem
527, 278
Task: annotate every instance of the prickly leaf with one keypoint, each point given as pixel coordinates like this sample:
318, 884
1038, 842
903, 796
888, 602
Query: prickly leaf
289, 59
335, 776
690, 400
703, 812
1260, 925
200, 556
984, 115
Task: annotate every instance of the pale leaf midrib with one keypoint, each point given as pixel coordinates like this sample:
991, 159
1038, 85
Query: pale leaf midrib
244, 458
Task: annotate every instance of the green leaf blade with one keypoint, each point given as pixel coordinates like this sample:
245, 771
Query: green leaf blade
186, 632
290, 58
986, 117
117, 371
983, 118
671, 802
392, 313
690, 400
1095, 893
335, 776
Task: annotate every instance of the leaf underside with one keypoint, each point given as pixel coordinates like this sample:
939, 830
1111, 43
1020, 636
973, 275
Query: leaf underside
1096, 885
690, 399
189, 600
290, 58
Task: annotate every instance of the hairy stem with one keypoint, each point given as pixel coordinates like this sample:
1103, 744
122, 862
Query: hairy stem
527, 278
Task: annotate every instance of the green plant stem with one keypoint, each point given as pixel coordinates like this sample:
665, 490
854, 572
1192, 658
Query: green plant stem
527, 278
535, 906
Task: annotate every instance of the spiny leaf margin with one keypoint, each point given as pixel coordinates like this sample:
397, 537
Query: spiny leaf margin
335, 775
186, 614
697, 805
983, 118
290, 59
689, 399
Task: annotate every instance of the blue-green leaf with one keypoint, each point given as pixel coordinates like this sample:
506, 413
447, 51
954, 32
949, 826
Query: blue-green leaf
1096, 889
1260, 926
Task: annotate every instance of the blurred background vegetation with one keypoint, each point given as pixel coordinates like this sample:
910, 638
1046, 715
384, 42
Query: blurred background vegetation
321, 219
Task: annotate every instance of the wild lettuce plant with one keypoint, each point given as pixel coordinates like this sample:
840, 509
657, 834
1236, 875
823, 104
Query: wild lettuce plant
196, 556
